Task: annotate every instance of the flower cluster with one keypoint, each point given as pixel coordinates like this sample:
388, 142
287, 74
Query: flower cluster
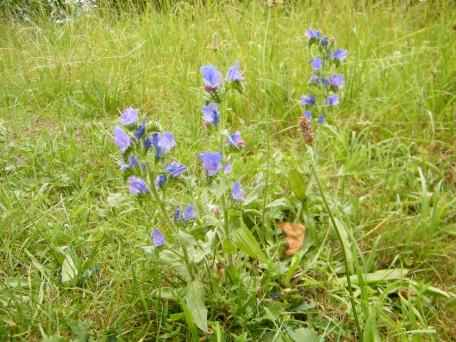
325, 82
143, 148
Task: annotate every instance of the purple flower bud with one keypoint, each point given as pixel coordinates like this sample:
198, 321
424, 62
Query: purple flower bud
321, 119
307, 100
234, 73
236, 140
132, 163
332, 100
160, 181
212, 162
212, 78
163, 143
121, 139
157, 237
137, 186
129, 116
316, 63
211, 114
139, 132
237, 193
175, 169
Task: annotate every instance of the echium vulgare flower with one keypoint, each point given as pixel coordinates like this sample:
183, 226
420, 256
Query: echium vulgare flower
234, 73
212, 78
237, 193
137, 186
235, 140
175, 169
186, 215
129, 116
211, 114
122, 139
162, 142
157, 237
212, 162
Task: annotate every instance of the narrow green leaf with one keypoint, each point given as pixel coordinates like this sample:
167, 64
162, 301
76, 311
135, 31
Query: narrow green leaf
297, 183
194, 300
248, 244
69, 269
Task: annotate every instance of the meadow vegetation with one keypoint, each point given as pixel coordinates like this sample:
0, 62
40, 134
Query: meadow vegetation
76, 257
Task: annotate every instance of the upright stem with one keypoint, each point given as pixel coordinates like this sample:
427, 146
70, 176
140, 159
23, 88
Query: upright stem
171, 224
339, 236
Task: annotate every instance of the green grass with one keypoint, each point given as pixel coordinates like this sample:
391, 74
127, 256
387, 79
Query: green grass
386, 161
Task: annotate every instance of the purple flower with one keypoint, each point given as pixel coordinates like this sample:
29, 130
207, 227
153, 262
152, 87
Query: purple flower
177, 214
189, 213
175, 169
157, 237
336, 81
137, 186
307, 115
237, 193
132, 163
316, 63
234, 73
139, 132
332, 100
129, 116
212, 78
160, 181
163, 143
236, 140
121, 139
321, 119
211, 114
339, 55
307, 100
212, 162
313, 34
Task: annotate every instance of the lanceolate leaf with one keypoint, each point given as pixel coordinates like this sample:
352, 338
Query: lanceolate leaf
247, 243
194, 300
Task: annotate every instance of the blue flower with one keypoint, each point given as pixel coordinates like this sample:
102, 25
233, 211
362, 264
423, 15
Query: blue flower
313, 34
121, 139
339, 55
137, 186
316, 63
211, 114
236, 140
321, 119
212, 162
175, 169
129, 116
336, 81
332, 100
212, 78
324, 41
163, 143
132, 163
237, 193
139, 132
307, 100
160, 181
234, 73
157, 237
189, 213
307, 115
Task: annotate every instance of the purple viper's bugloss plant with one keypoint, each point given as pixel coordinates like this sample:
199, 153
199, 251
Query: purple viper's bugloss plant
212, 162
157, 238
212, 78
234, 73
175, 169
237, 193
211, 114
121, 139
162, 142
129, 116
137, 186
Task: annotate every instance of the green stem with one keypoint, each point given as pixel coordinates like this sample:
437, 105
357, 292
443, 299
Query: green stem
339, 236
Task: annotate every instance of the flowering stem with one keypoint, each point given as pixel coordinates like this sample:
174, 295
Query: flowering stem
170, 223
339, 236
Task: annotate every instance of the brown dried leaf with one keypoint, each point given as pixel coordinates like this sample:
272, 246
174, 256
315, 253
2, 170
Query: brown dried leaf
295, 233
